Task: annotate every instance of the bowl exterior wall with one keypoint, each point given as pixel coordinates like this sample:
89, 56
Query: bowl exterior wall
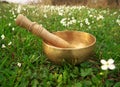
72, 56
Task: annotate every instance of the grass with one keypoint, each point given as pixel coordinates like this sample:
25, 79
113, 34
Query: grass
23, 63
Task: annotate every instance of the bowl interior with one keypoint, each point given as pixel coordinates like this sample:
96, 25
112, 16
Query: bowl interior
76, 38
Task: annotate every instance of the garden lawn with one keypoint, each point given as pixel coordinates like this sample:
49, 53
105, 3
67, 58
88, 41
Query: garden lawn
24, 64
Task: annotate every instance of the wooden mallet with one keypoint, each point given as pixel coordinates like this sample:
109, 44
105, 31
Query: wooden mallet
41, 32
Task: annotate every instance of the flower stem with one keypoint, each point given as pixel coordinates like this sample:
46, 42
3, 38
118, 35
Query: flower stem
106, 74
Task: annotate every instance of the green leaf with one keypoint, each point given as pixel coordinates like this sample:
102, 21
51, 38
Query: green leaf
78, 84
60, 78
34, 83
23, 82
86, 83
109, 83
117, 84
86, 72
65, 76
96, 80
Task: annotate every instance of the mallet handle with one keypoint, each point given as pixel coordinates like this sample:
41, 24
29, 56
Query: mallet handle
41, 32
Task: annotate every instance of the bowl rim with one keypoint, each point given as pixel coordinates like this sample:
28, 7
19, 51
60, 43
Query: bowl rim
72, 48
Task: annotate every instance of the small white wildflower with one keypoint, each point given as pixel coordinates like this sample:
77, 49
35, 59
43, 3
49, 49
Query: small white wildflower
33, 12
94, 16
118, 16
92, 21
63, 21
61, 12
104, 11
87, 21
9, 24
19, 9
114, 13
107, 64
89, 27
14, 16
9, 43
13, 12
73, 21
15, 19
68, 21
118, 21
89, 12
19, 64
73, 18
90, 15
100, 17
13, 29
81, 24
3, 46
24, 9
45, 15
3, 36
69, 14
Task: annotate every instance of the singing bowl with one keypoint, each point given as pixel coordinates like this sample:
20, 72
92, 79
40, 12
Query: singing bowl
84, 44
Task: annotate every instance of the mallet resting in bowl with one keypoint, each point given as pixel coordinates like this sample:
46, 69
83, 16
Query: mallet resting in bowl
71, 46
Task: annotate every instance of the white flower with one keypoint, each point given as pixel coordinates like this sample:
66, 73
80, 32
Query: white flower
14, 16
9, 43
114, 13
19, 64
13, 12
61, 12
13, 29
3, 36
92, 21
69, 14
89, 27
100, 17
87, 21
24, 9
73, 20
118, 21
45, 15
3, 46
107, 64
9, 24
90, 15
68, 21
63, 21
89, 12
81, 24
19, 9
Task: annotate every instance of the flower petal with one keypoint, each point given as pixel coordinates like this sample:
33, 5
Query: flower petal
103, 61
110, 61
104, 67
3, 46
3, 36
19, 64
111, 66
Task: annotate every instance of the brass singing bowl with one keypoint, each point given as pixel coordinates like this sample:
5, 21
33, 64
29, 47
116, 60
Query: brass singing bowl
83, 43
